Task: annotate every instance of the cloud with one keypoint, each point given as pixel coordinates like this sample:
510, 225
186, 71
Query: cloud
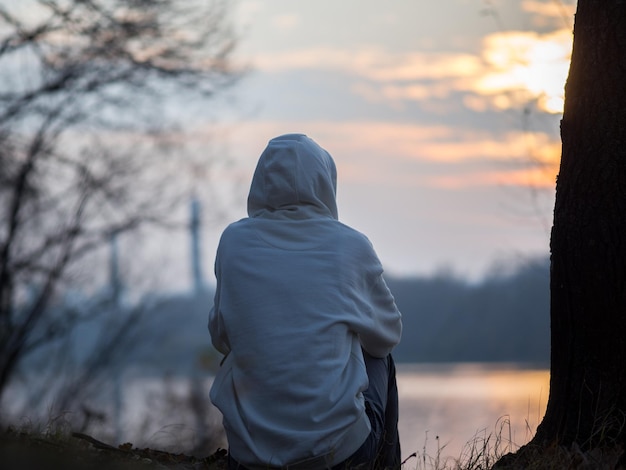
555, 13
530, 177
513, 69
422, 66
375, 63
412, 154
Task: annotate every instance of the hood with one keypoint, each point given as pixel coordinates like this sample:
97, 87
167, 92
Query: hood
295, 179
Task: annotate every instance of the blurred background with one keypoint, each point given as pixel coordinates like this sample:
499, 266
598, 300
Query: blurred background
129, 132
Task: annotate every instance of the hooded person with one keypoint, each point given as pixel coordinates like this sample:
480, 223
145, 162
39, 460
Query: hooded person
306, 324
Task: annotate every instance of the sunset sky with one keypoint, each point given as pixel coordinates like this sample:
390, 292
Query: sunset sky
442, 118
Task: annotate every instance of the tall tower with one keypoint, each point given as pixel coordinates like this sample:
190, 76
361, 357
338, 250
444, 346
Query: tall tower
196, 258
115, 279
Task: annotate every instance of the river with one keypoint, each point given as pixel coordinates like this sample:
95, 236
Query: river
444, 407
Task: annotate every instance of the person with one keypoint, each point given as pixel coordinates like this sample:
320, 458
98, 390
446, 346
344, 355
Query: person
306, 324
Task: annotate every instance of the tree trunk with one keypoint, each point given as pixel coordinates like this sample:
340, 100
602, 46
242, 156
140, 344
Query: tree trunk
587, 403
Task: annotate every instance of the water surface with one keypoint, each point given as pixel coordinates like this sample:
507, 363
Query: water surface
461, 402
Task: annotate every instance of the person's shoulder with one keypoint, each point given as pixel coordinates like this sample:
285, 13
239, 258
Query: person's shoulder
358, 240
235, 230
240, 224
353, 233
358, 251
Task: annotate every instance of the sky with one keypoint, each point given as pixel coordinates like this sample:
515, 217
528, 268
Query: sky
442, 117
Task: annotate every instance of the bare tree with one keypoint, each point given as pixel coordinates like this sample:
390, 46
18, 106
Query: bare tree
84, 87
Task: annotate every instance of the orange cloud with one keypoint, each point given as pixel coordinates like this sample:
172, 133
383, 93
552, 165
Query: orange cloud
525, 66
532, 177
375, 63
514, 68
377, 151
420, 66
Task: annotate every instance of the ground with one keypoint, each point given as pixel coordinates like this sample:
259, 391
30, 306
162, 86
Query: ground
20, 450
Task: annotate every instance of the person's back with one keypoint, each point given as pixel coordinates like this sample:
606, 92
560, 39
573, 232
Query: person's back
298, 296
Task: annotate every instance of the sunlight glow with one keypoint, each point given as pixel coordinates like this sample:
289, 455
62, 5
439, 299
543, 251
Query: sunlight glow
526, 66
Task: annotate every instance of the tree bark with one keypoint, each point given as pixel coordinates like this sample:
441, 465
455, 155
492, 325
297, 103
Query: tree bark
587, 403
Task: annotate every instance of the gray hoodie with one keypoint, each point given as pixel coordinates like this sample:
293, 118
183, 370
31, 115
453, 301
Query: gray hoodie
298, 295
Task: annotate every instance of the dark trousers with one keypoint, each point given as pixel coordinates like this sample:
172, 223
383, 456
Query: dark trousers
381, 449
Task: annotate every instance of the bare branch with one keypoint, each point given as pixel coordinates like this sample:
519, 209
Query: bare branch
79, 137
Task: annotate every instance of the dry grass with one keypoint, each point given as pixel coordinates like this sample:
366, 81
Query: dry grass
54, 446
497, 451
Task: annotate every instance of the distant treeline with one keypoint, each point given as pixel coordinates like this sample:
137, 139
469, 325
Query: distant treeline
504, 318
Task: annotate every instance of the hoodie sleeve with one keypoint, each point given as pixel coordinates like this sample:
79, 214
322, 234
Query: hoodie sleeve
218, 332
382, 329
217, 328
378, 322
